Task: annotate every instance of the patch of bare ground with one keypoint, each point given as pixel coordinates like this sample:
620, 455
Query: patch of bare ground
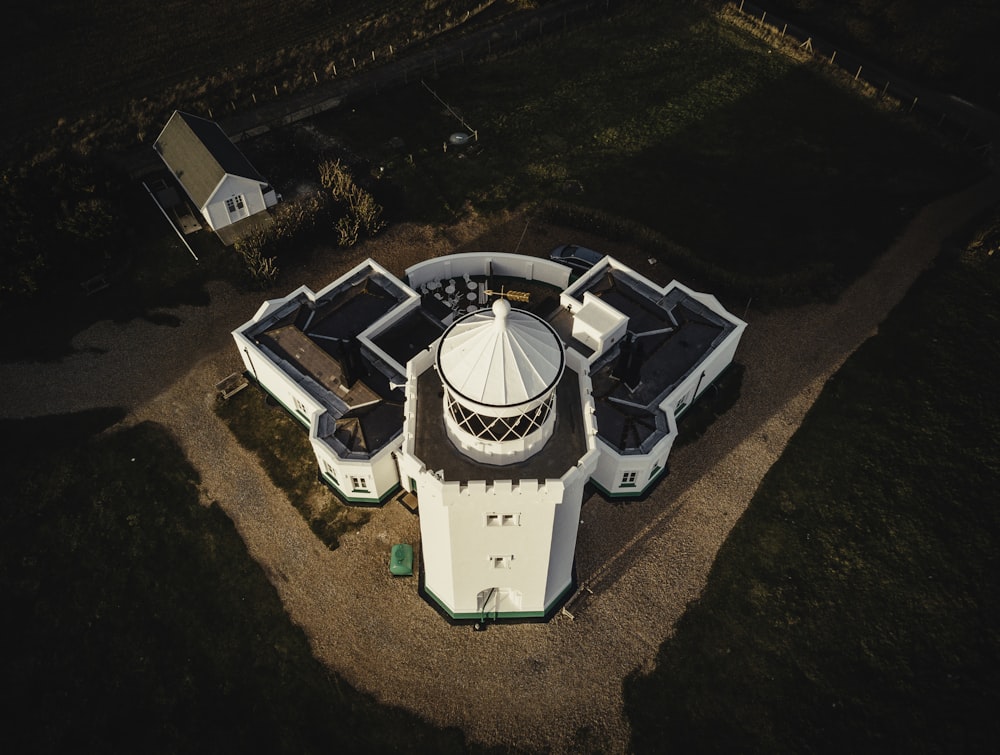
531, 685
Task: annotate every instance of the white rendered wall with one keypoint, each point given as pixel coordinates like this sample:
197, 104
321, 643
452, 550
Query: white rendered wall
215, 211
380, 472
460, 544
489, 263
597, 324
612, 467
291, 394
457, 539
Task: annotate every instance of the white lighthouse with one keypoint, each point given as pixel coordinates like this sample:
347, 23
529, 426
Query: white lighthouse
501, 440
491, 418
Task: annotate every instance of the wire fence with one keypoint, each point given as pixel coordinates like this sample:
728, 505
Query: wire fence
389, 67
338, 82
961, 119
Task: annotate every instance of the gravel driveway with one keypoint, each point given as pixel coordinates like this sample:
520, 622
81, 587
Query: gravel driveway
533, 685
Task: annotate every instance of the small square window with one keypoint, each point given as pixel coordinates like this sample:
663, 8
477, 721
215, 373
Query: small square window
501, 562
330, 472
628, 479
492, 520
508, 520
359, 483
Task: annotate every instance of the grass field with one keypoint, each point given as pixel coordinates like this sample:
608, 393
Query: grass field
282, 445
93, 54
137, 622
946, 45
751, 174
781, 184
854, 607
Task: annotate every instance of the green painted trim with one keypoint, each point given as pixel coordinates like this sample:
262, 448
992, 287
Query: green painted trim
502, 614
369, 500
632, 492
356, 499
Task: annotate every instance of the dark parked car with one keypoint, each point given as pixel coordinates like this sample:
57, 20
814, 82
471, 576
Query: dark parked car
577, 257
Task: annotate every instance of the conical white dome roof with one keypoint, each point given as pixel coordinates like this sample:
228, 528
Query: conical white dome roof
500, 357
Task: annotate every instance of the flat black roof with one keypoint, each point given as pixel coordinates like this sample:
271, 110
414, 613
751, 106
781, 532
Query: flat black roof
319, 340
562, 451
670, 336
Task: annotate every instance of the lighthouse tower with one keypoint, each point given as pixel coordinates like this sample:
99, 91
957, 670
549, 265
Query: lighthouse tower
499, 443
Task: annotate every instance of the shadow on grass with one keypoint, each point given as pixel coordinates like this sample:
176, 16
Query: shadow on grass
281, 443
137, 622
717, 399
853, 607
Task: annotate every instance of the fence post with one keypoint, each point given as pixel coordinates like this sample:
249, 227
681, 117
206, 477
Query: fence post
741, 6
334, 69
784, 29
913, 104
885, 88
315, 78
833, 57
857, 74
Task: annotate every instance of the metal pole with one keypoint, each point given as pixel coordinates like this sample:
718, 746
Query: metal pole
179, 235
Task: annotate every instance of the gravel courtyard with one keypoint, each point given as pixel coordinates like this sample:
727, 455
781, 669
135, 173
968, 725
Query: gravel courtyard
533, 685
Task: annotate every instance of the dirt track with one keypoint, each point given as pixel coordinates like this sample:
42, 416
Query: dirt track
533, 684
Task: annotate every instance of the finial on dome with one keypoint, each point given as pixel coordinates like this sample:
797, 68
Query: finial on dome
501, 308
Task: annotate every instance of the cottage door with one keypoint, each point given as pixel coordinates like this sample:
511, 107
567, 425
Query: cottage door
237, 207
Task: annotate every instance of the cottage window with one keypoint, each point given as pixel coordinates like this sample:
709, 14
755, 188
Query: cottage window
359, 483
628, 479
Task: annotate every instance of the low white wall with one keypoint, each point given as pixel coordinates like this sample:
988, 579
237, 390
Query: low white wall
488, 263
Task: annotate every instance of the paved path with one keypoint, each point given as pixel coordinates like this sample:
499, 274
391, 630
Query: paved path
521, 684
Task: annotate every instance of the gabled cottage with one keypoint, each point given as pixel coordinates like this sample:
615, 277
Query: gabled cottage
215, 175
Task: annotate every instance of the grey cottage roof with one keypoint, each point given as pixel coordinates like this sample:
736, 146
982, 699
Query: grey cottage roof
200, 154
